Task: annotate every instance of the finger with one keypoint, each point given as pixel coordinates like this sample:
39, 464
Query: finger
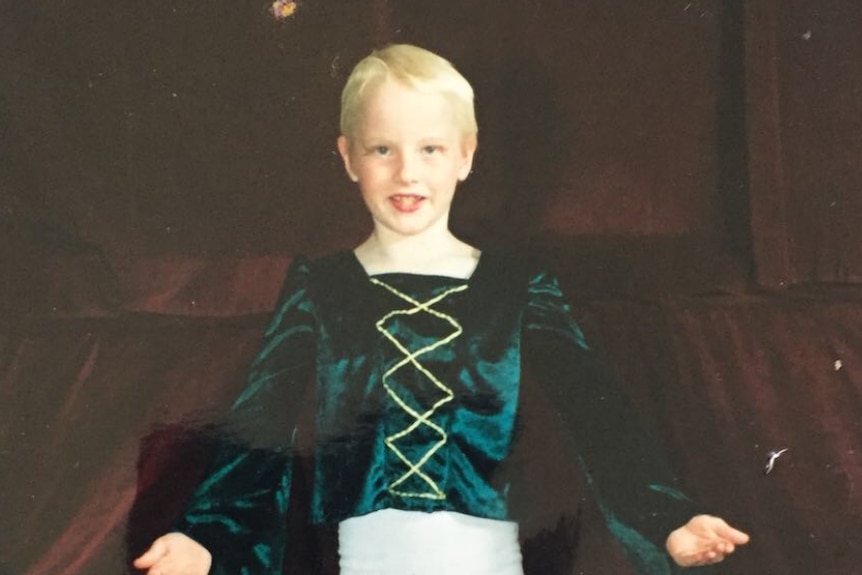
702, 556
713, 560
710, 557
731, 534
156, 551
705, 558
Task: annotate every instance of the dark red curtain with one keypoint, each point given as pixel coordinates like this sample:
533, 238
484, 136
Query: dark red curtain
805, 140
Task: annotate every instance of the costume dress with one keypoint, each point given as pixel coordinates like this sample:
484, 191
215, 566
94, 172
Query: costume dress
416, 384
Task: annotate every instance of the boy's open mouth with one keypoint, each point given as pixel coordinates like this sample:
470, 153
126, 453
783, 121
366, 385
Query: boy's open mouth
406, 203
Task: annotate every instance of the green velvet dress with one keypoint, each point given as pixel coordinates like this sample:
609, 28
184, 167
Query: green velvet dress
416, 384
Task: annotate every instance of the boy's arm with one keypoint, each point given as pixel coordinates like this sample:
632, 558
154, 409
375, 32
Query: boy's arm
237, 513
636, 490
637, 494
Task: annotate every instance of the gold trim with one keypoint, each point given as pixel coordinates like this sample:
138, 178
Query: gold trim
412, 358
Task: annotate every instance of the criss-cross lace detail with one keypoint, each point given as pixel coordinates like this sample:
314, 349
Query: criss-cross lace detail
421, 417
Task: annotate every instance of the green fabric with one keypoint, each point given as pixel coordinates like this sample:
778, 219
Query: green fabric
416, 382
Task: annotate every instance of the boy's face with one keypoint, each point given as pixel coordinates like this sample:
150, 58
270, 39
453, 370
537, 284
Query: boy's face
408, 155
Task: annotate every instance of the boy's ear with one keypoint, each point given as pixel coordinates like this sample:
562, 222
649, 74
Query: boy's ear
344, 150
469, 149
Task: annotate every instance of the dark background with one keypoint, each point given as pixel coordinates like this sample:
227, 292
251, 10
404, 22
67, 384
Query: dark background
691, 169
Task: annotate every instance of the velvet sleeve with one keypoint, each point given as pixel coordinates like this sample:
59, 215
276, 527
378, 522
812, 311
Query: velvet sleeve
238, 510
635, 488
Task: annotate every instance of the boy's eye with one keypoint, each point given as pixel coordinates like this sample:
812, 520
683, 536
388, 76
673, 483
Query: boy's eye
381, 150
431, 149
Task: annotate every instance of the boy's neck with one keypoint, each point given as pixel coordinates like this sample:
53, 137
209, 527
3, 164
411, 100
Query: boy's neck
427, 254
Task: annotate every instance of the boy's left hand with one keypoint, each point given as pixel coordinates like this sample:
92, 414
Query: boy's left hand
703, 540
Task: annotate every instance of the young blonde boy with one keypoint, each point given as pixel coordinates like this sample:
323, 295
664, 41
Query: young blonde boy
418, 498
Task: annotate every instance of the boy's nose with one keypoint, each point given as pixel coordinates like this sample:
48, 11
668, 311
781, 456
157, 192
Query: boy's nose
407, 169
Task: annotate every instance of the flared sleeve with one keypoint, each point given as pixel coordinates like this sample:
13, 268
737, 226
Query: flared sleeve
636, 490
238, 510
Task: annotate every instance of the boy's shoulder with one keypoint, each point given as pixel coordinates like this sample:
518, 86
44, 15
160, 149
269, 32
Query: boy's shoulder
306, 272
335, 266
515, 264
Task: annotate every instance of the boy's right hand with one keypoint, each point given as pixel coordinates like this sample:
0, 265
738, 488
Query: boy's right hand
175, 554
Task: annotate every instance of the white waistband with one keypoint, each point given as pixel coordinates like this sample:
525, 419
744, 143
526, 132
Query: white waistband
395, 542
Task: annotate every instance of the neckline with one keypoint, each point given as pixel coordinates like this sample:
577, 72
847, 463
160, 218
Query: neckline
362, 271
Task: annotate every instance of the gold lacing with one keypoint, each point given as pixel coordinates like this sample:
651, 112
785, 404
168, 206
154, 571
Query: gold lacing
412, 358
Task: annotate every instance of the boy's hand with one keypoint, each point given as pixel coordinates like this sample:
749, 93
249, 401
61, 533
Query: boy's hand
704, 540
175, 554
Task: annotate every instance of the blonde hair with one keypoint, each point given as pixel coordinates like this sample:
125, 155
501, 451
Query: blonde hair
415, 67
